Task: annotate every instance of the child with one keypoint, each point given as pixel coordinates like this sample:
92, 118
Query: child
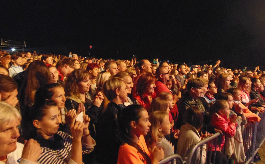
160, 127
134, 124
238, 105
189, 134
220, 120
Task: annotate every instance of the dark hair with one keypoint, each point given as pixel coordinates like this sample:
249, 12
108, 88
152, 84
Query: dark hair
63, 61
7, 84
194, 117
129, 114
45, 56
36, 112
194, 83
36, 76
45, 92
218, 105
223, 96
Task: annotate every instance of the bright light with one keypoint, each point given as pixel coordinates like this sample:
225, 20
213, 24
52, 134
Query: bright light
13, 49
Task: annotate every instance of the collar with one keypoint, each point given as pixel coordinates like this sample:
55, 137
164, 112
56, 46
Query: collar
55, 143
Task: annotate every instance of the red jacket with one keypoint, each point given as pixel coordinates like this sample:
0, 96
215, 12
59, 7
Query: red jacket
144, 101
228, 128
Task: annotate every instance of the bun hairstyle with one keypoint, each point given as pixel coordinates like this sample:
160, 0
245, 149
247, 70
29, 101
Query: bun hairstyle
129, 114
36, 112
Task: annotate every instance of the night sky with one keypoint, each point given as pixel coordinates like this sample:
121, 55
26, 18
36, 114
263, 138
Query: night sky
179, 31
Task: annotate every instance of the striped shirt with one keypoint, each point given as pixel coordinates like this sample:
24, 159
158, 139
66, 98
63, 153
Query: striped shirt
61, 156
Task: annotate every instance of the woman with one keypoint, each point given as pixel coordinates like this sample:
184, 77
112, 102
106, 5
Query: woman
244, 86
36, 76
53, 92
145, 91
129, 84
223, 82
108, 135
76, 86
57, 146
11, 150
93, 70
54, 74
134, 124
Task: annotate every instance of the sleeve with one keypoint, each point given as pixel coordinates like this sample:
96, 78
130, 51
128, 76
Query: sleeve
227, 127
128, 155
24, 161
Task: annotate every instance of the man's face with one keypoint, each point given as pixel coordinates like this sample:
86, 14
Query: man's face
197, 92
113, 69
164, 75
122, 67
147, 67
182, 70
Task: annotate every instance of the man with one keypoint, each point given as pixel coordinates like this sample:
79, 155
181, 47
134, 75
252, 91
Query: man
190, 98
65, 66
166, 65
162, 76
111, 67
181, 75
145, 66
121, 65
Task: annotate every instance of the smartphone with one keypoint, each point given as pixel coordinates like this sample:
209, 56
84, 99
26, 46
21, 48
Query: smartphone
80, 117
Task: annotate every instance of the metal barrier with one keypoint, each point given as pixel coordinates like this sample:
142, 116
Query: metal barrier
191, 159
253, 136
173, 159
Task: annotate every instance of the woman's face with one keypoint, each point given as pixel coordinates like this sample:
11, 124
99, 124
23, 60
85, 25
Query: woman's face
247, 85
49, 60
84, 85
9, 134
143, 124
129, 83
59, 97
166, 126
95, 72
76, 65
54, 74
150, 89
49, 124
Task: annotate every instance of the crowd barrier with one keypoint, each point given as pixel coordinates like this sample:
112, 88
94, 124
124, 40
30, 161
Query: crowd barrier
173, 159
253, 136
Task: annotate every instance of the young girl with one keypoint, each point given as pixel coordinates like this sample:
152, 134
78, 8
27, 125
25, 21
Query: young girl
134, 124
220, 120
159, 129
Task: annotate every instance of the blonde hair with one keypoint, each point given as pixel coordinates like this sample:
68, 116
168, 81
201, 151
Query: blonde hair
159, 104
8, 113
156, 119
101, 79
110, 86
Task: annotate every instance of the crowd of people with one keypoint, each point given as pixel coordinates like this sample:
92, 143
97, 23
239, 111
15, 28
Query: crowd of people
58, 109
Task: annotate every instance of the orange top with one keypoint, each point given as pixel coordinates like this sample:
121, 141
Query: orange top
129, 154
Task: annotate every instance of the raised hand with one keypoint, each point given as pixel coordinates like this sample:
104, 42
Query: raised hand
31, 150
98, 99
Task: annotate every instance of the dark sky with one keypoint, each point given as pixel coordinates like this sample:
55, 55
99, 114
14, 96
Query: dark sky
190, 31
